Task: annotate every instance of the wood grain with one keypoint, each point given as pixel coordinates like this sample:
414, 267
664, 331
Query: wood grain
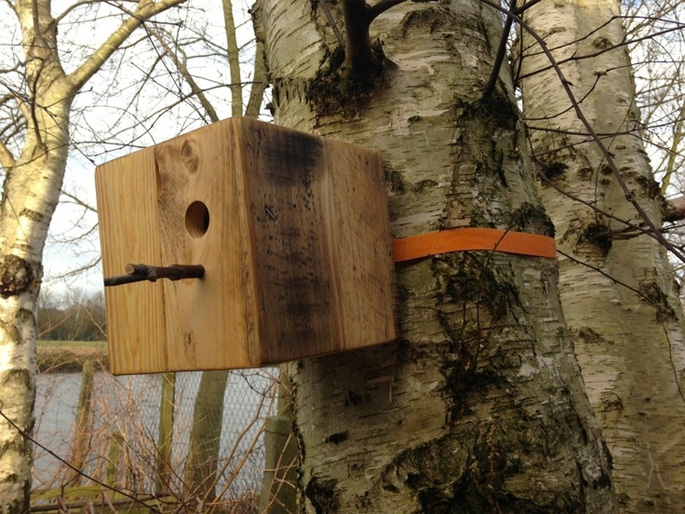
129, 225
294, 238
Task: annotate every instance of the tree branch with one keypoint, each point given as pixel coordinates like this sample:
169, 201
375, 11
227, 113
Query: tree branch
629, 195
673, 151
358, 15
73, 7
6, 158
259, 83
501, 53
25, 111
78, 201
145, 10
383, 6
187, 76
358, 56
331, 22
233, 54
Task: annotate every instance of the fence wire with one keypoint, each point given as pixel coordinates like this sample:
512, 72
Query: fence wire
118, 444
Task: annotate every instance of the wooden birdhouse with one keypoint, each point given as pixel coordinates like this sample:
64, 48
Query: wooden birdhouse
288, 231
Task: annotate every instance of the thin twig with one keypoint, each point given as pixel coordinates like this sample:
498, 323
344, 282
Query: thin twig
629, 195
28, 437
332, 23
501, 53
645, 298
142, 272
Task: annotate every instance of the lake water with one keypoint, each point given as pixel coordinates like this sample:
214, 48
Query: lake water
129, 407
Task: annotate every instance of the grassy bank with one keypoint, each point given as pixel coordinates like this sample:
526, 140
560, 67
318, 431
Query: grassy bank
69, 356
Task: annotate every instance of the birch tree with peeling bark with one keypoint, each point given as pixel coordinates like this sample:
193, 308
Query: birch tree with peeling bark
617, 286
32, 179
480, 406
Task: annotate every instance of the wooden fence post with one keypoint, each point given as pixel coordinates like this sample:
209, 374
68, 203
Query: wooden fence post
280, 471
165, 435
80, 441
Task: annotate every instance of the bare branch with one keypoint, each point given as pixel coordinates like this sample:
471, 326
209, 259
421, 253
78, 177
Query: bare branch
6, 158
678, 27
25, 111
383, 6
629, 195
332, 23
501, 53
233, 54
78, 201
358, 55
673, 151
525, 6
146, 9
259, 83
188, 77
73, 7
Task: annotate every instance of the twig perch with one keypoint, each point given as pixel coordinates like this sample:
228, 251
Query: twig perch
141, 272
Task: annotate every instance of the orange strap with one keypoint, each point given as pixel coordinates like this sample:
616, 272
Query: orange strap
464, 239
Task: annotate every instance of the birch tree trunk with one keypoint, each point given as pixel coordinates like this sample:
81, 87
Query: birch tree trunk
628, 335
480, 406
30, 192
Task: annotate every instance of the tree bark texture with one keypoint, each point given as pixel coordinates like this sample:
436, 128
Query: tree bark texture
30, 193
629, 344
480, 406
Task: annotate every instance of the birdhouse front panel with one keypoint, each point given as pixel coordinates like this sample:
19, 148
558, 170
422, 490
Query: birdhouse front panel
291, 229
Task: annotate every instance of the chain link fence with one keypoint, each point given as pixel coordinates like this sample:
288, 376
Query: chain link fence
117, 441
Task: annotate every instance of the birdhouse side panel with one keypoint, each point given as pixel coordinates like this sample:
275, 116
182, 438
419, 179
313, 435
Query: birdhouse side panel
294, 282
126, 190
321, 240
358, 227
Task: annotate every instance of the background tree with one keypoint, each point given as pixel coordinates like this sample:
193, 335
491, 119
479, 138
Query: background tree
484, 372
33, 155
657, 55
617, 287
73, 316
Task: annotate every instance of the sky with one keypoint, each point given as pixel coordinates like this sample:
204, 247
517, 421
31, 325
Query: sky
73, 241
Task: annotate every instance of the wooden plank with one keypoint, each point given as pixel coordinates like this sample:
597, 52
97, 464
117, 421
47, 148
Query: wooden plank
294, 286
129, 228
208, 321
321, 239
358, 226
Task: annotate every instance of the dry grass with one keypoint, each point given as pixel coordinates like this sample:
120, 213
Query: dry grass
122, 446
68, 359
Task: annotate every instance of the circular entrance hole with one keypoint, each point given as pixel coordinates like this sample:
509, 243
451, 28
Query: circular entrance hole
197, 219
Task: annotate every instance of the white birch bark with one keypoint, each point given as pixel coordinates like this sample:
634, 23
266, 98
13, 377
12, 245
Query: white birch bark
480, 406
629, 345
30, 193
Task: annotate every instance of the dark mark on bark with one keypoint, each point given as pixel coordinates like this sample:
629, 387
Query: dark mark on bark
16, 276
338, 437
